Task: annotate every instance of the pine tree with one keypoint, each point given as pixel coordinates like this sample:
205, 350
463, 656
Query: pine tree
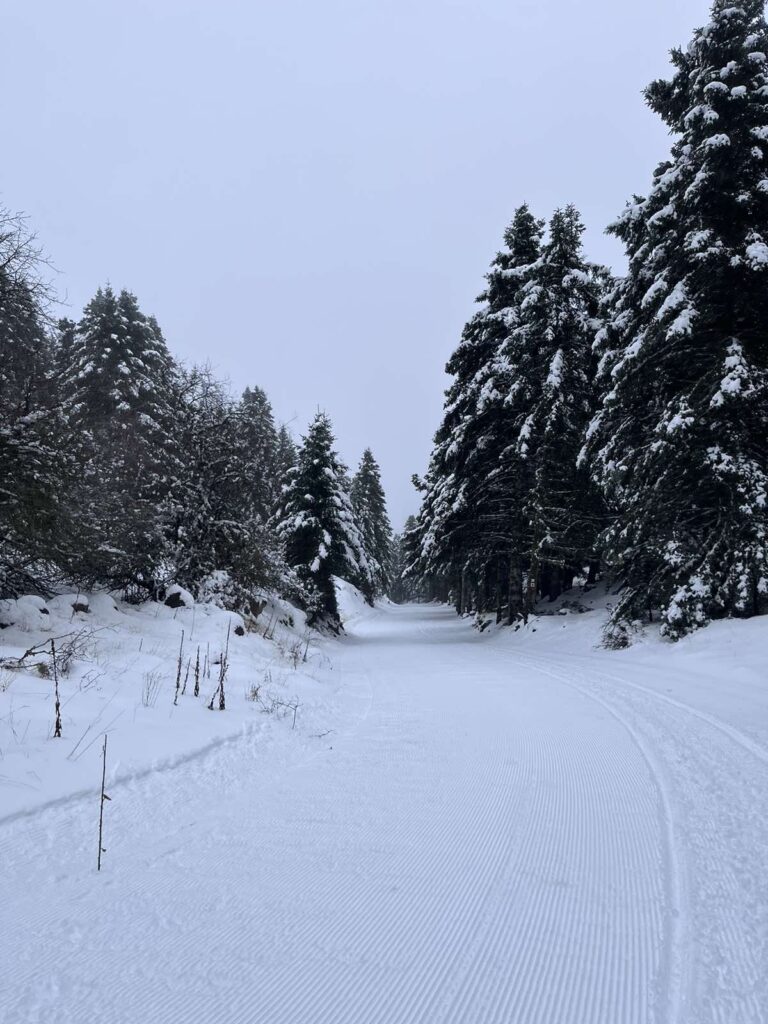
406, 586
257, 450
35, 457
219, 546
370, 508
316, 523
466, 520
504, 498
550, 401
285, 458
119, 388
679, 445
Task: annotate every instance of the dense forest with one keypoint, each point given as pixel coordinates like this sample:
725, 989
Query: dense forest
122, 468
610, 427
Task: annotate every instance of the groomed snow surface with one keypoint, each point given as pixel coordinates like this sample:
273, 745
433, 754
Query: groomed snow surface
487, 828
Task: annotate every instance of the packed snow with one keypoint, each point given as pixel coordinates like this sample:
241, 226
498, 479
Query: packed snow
486, 826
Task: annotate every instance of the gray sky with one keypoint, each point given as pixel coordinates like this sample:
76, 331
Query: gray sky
308, 193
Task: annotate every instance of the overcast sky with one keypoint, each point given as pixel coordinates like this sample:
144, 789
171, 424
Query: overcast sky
308, 193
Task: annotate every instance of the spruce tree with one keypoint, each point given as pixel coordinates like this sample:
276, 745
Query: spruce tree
550, 401
316, 523
467, 519
35, 450
285, 458
219, 546
257, 451
34, 462
119, 387
370, 507
679, 445
504, 499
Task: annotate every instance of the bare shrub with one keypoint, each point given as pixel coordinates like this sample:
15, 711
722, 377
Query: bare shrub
150, 688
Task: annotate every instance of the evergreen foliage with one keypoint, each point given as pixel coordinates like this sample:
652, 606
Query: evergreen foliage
680, 445
217, 541
505, 503
258, 452
370, 507
316, 523
119, 391
466, 514
35, 463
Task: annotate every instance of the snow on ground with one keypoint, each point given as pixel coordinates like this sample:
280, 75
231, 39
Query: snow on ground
123, 682
492, 828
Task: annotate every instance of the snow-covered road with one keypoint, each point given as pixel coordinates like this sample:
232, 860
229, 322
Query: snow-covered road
493, 835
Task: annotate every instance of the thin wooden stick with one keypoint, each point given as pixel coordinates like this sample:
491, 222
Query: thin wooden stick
103, 798
178, 669
57, 723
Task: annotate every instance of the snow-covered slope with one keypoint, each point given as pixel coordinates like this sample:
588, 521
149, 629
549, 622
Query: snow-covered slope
352, 605
122, 681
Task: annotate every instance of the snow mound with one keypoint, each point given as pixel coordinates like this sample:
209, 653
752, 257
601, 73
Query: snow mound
352, 604
148, 675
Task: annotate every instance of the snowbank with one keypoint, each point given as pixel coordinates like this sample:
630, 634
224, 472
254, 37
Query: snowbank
132, 672
352, 604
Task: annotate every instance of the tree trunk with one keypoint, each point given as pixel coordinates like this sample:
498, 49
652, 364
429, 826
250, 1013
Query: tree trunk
514, 589
554, 582
532, 589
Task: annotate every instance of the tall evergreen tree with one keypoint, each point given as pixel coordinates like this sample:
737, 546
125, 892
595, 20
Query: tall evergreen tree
550, 401
34, 462
370, 507
316, 522
218, 542
35, 454
119, 387
257, 450
679, 445
285, 457
504, 498
466, 518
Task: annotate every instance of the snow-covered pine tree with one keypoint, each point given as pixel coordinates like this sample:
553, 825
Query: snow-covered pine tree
219, 546
35, 453
370, 507
467, 520
550, 400
119, 388
32, 460
285, 458
257, 450
316, 523
680, 444
406, 585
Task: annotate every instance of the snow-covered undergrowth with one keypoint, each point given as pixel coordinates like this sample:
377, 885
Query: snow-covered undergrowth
132, 672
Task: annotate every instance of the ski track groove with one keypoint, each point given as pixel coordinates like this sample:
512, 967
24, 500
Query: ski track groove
476, 847
739, 737
732, 962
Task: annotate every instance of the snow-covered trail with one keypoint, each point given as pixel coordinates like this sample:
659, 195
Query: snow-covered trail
491, 837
